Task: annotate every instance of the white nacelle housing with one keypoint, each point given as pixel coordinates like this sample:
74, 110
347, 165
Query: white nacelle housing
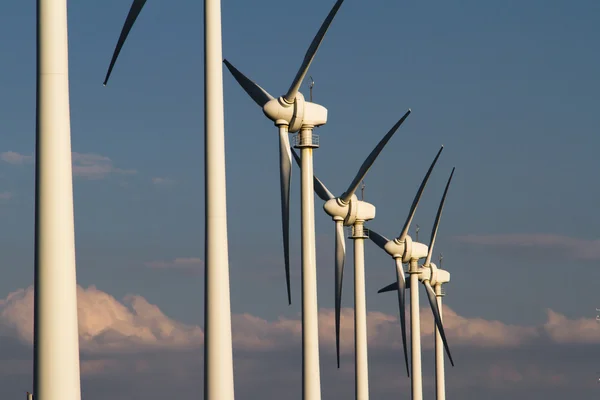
419, 250
354, 210
433, 274
295, 115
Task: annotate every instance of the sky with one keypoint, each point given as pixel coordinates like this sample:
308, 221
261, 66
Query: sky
510, 89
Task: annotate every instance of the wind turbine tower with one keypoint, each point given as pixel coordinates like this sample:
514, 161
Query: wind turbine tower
56, 373
292, 113
347, 210
218, 353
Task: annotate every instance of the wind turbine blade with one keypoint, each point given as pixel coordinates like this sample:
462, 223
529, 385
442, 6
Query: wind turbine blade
392, 287
389, 288
310, 53
320, 189
415, 203
134, 11
258, 94
437, 220
401, 284
378, 239
340, 257
285, 177
364, 168
436, 316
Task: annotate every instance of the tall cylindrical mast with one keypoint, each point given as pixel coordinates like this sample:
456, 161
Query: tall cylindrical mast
311, 375
56, 341
415, 332
218, 355
440, 385
360, 316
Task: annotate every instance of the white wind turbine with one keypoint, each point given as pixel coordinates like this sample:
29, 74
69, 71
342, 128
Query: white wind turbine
218, 357
404, 249
292, 113
347, 210
433, 278
56, 373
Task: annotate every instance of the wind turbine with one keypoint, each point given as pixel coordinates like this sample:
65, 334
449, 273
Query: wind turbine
347, 210
56, 337
433, 277
291, 113
404, 249
218, 357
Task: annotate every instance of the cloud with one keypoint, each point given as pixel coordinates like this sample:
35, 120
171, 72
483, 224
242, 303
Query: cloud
6, 195
563, 330
105, 324
131, 348
94, 166
85, 165
582, 249
162, 181
190, 264
12, 157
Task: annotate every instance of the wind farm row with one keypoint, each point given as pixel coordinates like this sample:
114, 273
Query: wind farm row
56, 354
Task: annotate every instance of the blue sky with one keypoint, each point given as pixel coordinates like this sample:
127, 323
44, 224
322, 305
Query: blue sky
511, 90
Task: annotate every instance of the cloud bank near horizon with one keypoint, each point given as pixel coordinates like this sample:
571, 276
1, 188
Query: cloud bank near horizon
127, 344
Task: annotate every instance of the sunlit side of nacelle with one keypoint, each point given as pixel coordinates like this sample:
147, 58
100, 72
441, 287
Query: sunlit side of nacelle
433, 274
295, 115
354, 210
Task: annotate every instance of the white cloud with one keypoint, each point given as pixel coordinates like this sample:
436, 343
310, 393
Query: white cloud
15, 158
190, 264
94, 166
105, 324
85, 165
162, 181
119, 340
582, 249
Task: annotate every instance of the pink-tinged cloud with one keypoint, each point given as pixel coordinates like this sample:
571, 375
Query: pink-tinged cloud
158, 181
189, 264
15, 158
94, 166
583, 249
85, 165
6, 195
106, 324
564, 330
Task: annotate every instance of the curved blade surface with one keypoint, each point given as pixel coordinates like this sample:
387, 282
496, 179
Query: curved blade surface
134, 11
401, 284
340, 257
413, 207
378, 239
285, 177
436, 315
436, 224
258, 94
320, 189
392, 287
364, 168
310, 53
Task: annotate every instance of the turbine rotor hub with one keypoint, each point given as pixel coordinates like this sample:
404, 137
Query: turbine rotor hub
300, 113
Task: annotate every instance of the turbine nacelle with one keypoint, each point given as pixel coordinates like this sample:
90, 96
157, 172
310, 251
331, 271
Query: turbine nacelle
406, 249
349, 212
300, 113
433, 274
